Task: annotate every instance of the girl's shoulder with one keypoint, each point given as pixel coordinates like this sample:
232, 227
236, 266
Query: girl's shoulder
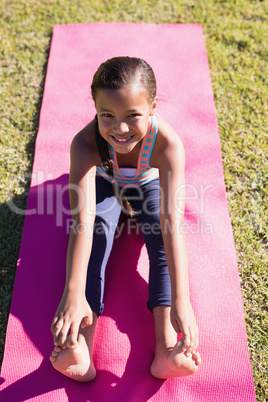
168, 144
166, 133
84, 148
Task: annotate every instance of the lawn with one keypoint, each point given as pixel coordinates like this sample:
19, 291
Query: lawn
236, 34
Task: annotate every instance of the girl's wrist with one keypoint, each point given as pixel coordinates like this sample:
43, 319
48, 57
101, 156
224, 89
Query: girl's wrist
74, 289
180, 297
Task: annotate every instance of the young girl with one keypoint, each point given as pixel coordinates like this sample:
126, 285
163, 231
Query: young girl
127, 159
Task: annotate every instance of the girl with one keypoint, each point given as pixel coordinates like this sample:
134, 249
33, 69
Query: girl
127, 159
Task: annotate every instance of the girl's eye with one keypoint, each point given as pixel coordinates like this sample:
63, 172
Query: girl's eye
107, 115
133, 115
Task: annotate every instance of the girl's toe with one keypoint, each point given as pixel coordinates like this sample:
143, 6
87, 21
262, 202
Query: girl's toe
196, 357
198, 362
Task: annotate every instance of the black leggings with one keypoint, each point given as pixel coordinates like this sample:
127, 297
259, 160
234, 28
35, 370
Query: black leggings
145, 203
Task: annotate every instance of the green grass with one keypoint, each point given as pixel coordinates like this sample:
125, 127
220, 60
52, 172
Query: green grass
236, 34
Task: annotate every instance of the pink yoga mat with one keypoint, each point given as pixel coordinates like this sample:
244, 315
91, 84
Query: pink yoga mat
124, 343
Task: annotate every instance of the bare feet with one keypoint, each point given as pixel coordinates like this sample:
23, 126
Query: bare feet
74, 362
173, 363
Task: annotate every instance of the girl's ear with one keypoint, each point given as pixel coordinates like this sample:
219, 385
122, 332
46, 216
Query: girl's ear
154, 105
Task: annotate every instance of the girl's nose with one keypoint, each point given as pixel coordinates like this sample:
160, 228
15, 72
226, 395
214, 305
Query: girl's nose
121, 127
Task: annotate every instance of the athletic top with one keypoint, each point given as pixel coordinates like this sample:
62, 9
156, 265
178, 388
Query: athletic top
144, 173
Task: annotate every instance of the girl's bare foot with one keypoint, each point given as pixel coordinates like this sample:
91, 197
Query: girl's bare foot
173, 363
74, 362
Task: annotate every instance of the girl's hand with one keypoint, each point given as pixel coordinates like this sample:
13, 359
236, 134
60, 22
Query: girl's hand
73, 310
183, 320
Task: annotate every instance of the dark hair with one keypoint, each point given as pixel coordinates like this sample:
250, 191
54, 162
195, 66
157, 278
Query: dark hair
117, 73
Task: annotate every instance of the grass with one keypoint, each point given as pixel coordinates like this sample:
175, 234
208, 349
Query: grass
236, 34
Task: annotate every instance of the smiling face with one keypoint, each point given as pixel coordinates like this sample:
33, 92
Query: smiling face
123, 116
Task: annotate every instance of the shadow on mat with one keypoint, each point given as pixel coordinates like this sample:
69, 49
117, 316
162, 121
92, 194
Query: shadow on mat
39, 286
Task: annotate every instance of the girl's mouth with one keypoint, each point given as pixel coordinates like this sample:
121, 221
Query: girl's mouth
122, 140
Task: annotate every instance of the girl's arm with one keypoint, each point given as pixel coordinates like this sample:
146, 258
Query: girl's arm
171, 164
73, 309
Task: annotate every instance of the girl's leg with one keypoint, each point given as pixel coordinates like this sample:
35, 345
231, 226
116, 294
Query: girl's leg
169, 360
77, 362
145, 202
108, 212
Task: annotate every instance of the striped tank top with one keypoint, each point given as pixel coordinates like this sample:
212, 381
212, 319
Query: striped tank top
144, 173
